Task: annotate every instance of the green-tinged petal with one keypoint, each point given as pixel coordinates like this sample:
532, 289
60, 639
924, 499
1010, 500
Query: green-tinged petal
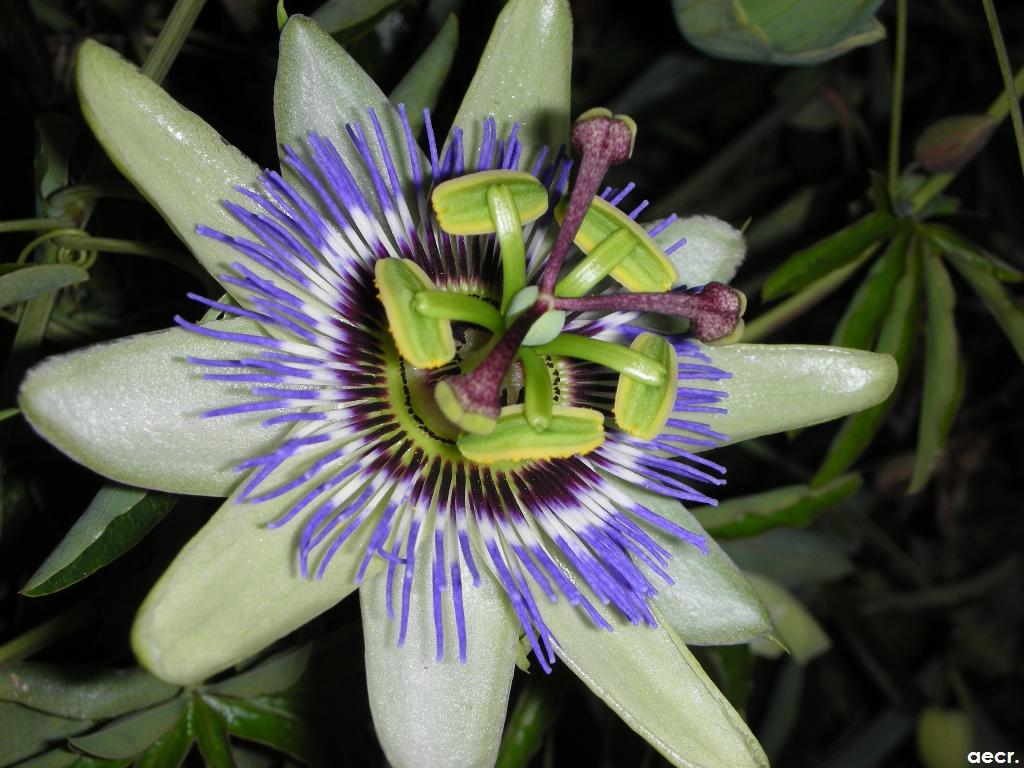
797, 628
430, 712
652, 681
178, 162
787, 386
131, 410
710, 601
523, 76
236, 587
320, 88
713, 251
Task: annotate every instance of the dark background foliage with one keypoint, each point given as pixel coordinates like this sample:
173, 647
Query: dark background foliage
920, 594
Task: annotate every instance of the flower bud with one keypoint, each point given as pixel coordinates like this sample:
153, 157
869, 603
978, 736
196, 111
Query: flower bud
949, 144
779, 31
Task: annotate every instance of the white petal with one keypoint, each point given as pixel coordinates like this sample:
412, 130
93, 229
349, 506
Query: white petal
438, 713
713, 252
132, 411
777, 387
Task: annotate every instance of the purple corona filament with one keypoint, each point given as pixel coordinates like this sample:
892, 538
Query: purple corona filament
314, 347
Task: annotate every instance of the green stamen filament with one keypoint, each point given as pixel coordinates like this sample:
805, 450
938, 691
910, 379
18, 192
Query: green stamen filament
537, 390
509, 229
449, 305
611, 252
634, 364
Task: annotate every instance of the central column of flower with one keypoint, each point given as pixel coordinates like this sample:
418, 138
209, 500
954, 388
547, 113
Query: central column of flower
529, 322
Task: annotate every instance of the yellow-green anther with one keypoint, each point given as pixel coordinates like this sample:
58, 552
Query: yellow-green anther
644, 268
509, 229
571, 432
615, 356
537, 392
426, 342
448, 305
609, 253
463, 206
642, 409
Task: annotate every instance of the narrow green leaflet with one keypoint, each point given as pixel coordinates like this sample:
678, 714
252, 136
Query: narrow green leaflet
791, 506
55, 758
420, 87
859, 325
170, 750
996, 300
82, 693
796, 627
131, 735
794, 558
943, 372
948, 242
896, 338
211, 732
276, 674
804, 267
116, 520
523, 77
36, 280
267, 721
535, 711
350, 17
25, 732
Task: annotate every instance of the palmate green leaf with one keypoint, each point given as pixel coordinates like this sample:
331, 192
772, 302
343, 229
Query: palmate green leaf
348, 18
276, 674
25, 732
116, 520
897, 339
267, 721
523, 77
36, 279
943, 372
792, 506
859, 324
82, 693
835, 251
652, 681
996, 299
170, 750
797, 628
55, 758
794, 558
421, 85
946, 241
211, 733
130, 735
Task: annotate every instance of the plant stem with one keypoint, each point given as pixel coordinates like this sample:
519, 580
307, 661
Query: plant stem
47, 633
999, 109
31, 225
898, 72
168, 43
1004, 68
801, 301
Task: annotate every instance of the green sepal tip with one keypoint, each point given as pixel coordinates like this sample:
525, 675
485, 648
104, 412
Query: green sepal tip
571, 432
643, 268
424, 341
642, 409
463, 206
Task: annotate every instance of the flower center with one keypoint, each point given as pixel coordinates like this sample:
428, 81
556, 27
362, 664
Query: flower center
454, 391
